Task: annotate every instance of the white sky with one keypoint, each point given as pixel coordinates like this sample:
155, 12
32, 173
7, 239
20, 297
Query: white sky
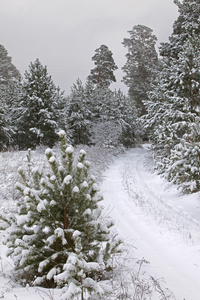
64, 34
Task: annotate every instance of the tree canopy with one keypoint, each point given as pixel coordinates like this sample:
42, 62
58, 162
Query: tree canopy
186, 25
9, 92
8, 72
142, 63
40, 113
103, 73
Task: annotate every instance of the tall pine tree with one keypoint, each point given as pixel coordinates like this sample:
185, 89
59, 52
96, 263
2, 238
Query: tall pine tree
174, 115
142, 63
9, 94
186, 25
103, 73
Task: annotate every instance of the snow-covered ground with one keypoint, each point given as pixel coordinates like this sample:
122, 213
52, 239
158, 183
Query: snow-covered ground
156, 222
162, 225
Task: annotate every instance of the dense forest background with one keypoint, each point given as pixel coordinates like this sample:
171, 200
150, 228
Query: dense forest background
162, 105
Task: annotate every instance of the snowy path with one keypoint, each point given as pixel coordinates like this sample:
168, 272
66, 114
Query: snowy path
162, 225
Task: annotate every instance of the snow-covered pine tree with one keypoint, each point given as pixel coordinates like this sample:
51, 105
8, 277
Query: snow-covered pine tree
183, 168
8, 72
157, 122
186, 24
184, 164
97, 115
173, 109
11, 104
173, 113
105, 108
79, 115
9, 88
108, 125
58, 236
40, 116
113, 117
103, 73
4, 131
142, 64
128, 119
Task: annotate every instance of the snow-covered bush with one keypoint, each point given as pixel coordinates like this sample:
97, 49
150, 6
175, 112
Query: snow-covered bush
57, 236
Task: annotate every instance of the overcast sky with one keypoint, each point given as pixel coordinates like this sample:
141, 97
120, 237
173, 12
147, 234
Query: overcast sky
64, 34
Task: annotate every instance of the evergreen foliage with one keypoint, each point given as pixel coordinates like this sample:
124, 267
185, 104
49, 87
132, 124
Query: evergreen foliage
186, 25
174, 116
58, 236
116, 122
103, 73
79, 115
97, 115
9, 93
8, 72
4, 131
142, 63
130, 126
40, 108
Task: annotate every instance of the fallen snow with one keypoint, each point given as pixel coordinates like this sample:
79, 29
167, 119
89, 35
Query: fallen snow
162, 225
159, 223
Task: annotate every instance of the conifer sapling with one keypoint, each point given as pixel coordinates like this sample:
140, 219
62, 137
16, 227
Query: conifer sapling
58, 237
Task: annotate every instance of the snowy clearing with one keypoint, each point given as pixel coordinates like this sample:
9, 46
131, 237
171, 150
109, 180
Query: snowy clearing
154, 219
162, 225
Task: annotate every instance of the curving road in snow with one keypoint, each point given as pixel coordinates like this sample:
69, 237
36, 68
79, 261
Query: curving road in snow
161, 224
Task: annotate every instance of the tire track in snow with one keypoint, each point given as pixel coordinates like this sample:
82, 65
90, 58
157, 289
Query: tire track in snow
180, 220
160, 233
157, 208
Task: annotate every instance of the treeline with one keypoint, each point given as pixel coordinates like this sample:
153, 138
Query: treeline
162, 106
33, 110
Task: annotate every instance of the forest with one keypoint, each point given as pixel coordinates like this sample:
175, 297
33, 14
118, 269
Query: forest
162, 105
56, 235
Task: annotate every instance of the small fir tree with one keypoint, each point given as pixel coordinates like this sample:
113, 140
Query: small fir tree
57, 237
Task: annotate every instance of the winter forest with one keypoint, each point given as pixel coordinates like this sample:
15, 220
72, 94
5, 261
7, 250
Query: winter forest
56, 231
